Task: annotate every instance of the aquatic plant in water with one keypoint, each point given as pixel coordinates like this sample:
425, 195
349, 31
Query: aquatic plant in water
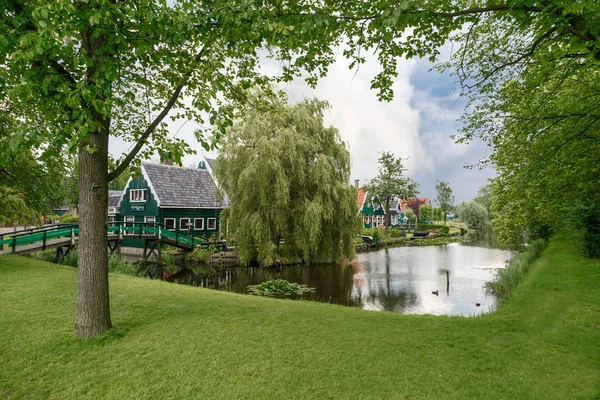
278, 288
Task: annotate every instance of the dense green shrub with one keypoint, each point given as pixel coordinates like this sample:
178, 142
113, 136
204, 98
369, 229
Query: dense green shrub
69, 218
584, 226
395, 233
509, 277
115, 263
376, 233
46, 255
200, 254
430, 227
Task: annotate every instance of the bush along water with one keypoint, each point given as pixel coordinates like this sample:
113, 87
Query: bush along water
115, 264
279, 288
508, 278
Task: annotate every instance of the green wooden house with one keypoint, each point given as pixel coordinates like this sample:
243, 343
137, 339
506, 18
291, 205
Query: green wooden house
176, 197
373, 215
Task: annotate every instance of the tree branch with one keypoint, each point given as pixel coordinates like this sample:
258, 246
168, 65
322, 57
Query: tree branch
142, 140
482, 10
515, 61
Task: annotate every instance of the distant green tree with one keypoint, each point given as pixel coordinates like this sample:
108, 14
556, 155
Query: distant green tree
473, 214
438, 214
445, 198
390, 183
484, 197
426, 212
29, 188
286, 176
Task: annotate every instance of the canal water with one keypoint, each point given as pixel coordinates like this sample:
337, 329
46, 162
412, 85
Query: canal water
439, 280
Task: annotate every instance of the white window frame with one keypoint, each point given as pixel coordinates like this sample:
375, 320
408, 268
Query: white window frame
181, 224
135, 197
208, 224
174, 224
111, 220
150, 219
202, 227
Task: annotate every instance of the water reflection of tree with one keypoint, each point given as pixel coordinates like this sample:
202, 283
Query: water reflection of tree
444, 271
387, 298
484, 237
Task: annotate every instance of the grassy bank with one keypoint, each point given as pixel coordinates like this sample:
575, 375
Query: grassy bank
184, 342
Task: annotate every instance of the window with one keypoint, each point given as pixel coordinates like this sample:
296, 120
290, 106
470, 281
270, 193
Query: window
111, 220
184, 224
198, 224
170, 224
137, 195
150, 220
211, 224
129, 225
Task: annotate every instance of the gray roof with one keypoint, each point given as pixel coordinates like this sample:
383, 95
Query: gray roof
113, 197
182, 187
211, 163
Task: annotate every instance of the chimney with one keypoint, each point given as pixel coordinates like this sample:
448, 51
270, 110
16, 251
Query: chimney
356, 184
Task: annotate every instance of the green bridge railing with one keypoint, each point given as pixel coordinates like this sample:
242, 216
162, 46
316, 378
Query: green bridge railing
123, 230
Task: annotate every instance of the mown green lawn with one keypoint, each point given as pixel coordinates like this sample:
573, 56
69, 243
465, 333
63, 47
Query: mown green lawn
179, 342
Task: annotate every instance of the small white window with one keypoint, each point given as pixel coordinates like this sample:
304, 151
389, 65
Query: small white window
170, 223
150, 220
184, 224
211, 224
137, 195
198, 224
111, 220
129, 219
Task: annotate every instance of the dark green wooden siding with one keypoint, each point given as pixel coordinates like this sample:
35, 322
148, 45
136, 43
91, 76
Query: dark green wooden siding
150, 206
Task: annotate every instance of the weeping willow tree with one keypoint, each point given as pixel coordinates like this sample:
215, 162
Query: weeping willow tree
287, 179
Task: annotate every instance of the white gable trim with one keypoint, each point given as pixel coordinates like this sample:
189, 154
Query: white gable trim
147, 178
124, 191
363, 202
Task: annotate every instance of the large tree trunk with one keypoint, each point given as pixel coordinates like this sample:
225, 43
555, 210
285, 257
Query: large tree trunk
92, 315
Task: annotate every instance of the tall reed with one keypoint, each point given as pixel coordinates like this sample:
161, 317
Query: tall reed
508, 278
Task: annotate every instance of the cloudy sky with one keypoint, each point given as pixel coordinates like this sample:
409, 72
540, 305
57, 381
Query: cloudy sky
417, 124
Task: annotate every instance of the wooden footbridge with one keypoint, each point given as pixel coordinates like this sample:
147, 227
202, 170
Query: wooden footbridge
64, 237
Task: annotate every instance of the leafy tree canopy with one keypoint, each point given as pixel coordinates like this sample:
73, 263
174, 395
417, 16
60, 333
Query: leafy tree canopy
286, 176
445, 197
473, 214
426, 212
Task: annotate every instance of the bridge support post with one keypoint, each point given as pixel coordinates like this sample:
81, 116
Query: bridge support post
152, 247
